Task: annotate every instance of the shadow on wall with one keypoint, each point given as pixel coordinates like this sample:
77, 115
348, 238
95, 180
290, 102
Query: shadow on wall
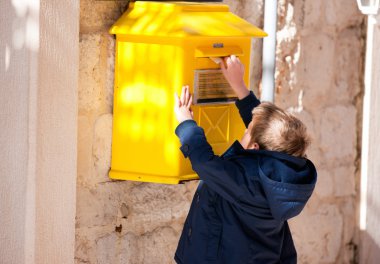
369, 251
22, 32
19, 37
19, 45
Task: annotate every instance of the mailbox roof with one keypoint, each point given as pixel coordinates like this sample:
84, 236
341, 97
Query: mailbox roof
182, 19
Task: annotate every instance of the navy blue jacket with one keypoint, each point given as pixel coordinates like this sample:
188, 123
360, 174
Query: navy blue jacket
239, 210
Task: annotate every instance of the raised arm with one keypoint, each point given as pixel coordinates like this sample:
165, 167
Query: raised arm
233, 71
223, 176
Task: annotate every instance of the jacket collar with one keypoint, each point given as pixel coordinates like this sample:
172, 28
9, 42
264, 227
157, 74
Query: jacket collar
237, 149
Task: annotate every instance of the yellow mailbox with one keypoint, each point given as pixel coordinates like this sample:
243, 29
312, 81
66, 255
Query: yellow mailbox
160, 46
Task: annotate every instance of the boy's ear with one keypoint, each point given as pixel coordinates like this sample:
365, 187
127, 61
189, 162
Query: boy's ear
254, 145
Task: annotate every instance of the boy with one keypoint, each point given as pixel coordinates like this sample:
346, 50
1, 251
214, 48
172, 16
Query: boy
239, 211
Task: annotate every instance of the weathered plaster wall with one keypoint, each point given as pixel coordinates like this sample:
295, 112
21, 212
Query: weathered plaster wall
318, 77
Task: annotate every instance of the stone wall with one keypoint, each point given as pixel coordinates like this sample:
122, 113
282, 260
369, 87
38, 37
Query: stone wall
318, 77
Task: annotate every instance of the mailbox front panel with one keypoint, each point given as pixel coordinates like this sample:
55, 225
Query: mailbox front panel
144, 146
214, 108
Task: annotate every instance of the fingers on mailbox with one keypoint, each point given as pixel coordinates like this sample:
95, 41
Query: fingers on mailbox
183, 93
187, 94
217, 60
177, 101
189, 103
188, 97
223, 64
228, 61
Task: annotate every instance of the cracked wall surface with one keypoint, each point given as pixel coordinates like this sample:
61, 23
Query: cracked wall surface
318, 77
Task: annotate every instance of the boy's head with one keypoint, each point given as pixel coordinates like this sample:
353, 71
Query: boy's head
274, 129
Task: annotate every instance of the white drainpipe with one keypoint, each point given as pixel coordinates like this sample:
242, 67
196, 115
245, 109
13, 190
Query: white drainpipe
269, 50
369, 8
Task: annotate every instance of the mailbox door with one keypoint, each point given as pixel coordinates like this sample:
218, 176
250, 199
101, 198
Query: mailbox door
144, 145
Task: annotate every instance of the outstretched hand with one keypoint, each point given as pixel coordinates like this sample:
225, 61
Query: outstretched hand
182, 105
233, 71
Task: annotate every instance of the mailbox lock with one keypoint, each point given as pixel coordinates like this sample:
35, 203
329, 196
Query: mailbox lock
218, 45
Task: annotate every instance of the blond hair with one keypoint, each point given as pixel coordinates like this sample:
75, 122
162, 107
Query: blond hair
276, 130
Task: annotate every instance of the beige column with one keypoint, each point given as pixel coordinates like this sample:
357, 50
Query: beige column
38, 130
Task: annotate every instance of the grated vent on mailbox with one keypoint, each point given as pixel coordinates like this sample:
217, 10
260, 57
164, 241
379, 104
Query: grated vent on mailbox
215, 122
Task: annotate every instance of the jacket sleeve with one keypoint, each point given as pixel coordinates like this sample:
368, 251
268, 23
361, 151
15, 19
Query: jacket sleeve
223, 176
246, 106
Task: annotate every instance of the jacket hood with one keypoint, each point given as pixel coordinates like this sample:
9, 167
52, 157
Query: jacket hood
288, 182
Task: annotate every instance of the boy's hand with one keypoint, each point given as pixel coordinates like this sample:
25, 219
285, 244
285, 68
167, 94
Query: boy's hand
182, 105
233, 71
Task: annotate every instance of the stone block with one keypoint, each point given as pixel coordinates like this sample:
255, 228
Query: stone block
344, 178
318, 235
131, 251
154, 205
338, 134
342, 14
312, 13
159, 246
315, 70
154, 247
97, 207
96, 73
85, 139
107, 248
349, 64
324, 187
102, 147
83, 250
110, 73
97, 16
90, 93
350, 232
252, 10
336, 181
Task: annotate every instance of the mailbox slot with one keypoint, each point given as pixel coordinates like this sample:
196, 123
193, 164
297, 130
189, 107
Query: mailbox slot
212, 51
